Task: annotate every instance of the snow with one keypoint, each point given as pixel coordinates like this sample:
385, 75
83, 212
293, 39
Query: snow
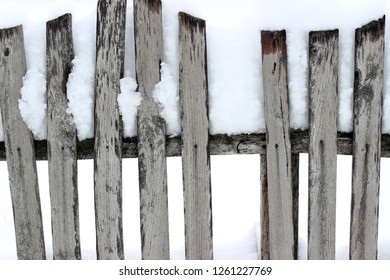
32, 104
233, 34
165, 93
235, 100
80, 87
128, 101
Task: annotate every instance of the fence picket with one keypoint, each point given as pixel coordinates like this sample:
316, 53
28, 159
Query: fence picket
323, 84
151, 131
61, 141
110, 48
279, 147
368, 95
264, 207
295, 197
279, 172
193, 92
19, 145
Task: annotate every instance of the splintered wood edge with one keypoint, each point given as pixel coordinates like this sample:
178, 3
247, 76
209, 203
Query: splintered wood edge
190, 21
59, 21
372, 31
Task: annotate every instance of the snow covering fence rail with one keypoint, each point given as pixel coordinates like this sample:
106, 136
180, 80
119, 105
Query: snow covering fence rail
279, 147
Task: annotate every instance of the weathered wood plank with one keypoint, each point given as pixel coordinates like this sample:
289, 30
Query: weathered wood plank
62, 140
19, 148
110, 49
193, 93
264, 207
367, 126
323, 85
279, 173
151, 131
295, 195
220, 144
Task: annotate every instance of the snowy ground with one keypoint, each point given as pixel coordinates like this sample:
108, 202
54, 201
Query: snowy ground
233, 34
236, 209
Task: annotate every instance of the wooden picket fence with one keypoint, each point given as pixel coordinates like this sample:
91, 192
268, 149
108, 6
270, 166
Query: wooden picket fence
279, 147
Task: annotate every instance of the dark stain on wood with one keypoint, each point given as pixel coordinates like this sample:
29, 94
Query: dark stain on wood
7, 52
295, 194
264, 212
191, 22
323, 37
372, 31
154, 6
273, 41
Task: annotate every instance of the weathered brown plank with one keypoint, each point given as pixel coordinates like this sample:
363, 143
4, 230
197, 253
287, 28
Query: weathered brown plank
367, 126
193, 92
264, 207
323, 84
279, 173
61, 139
220, 144
151, 131
19, 148
110, 49
295, 195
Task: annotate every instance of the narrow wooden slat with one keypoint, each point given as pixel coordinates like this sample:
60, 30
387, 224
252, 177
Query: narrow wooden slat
193, 92
61, 139
151, 131
367, 127
110, 48
264, 207
281, 229
323, 84
19, 145
295, 196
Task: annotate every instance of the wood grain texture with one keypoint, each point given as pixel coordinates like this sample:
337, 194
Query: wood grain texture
193, 92
281, 229
264, 209
220, 144
151, 131
264, 206
323, 105
367, 127
110, 49
295, 196
19, 147
62, 140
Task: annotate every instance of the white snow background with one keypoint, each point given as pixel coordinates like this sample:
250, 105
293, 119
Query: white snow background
234, 60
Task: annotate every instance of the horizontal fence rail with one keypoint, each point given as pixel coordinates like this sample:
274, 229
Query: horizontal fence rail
279, 147
220, 144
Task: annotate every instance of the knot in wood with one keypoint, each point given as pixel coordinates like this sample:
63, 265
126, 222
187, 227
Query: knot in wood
6, 52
